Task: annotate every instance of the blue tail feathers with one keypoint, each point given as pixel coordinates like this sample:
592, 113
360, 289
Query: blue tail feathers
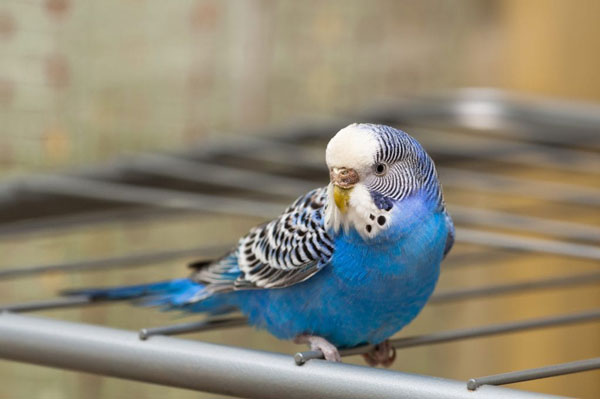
171, 294
132, 291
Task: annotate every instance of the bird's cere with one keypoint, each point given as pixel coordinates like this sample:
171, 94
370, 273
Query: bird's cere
344, 177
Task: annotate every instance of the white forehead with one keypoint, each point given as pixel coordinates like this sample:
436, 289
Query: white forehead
355, 146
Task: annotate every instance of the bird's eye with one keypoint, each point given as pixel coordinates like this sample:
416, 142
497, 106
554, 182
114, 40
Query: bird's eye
381, 169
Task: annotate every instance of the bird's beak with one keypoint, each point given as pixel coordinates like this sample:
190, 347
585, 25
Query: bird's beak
343, 179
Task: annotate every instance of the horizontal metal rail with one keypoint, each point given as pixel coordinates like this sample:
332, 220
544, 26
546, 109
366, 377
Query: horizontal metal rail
214, 368
184, 169
267, 183
221, 204
467, 333
57, 303
505, 151
536, 373
485, 291
183, 328
288, 154
571, 230
85, 219
440, 297
398, 343
503, 184
514, 242
297, 156
498, 112
479, 146
205, 172
131, 260
514, 221
159, 197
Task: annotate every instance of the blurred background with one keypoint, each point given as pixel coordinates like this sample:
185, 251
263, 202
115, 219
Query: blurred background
85, 83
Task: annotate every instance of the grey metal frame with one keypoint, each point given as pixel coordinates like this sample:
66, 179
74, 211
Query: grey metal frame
215, 368
249, 373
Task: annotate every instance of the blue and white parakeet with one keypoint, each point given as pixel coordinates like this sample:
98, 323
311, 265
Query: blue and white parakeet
346, 264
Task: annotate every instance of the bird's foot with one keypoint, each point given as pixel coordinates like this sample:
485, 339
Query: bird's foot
383, 353
330, 352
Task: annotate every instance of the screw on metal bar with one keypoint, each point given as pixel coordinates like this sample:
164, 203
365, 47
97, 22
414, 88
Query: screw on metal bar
302, 357
456, 335
183, 328
534, 374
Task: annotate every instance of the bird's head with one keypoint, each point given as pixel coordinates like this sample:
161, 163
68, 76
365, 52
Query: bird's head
372, 168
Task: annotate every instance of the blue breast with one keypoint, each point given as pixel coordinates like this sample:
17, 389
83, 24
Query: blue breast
370, 289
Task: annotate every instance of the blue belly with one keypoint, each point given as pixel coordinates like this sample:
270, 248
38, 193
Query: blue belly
366, 294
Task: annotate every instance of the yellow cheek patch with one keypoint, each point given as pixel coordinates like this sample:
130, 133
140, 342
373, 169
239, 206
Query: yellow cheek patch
341, 196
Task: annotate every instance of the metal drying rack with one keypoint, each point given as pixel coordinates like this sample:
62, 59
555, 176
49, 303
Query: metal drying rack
256, 175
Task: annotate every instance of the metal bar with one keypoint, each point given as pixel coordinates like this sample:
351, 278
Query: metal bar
183, 328
204, 172
141, 259
437, 298
501, 289
466, 333
85, 219
472, 236
444, 142
499, 112
461, 214
214, 368
509, 220
276, 151
57, 303
175, 199
520, 243
483, 146
505, 150
270, 184
536, 373
219, 204
473, 180
502, 184
496, 329
297, 156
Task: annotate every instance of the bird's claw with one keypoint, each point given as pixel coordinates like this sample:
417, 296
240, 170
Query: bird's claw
329, 351
382, 354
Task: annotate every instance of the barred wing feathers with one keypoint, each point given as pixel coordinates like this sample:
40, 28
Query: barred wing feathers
283, 252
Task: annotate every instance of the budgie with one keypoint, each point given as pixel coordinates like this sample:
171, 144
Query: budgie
347, 264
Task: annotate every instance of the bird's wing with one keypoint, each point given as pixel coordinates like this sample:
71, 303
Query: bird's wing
451, 233
283, 252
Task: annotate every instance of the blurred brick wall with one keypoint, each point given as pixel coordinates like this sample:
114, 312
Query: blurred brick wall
83, 81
